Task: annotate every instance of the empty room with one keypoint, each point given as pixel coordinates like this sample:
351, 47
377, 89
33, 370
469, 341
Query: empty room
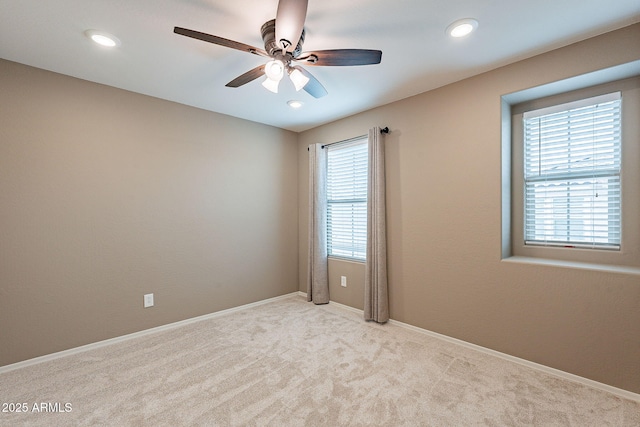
305, 213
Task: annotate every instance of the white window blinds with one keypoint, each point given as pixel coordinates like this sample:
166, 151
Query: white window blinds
347, 199
572, 174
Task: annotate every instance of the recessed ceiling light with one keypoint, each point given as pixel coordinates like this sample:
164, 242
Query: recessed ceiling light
102, 38
462, 27
295, 104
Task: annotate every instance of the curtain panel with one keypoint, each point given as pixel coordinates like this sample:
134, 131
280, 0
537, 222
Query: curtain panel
317, 278
376, 299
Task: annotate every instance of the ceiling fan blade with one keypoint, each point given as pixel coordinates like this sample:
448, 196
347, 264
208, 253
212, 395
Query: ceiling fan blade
341, 57
313, 87
219, 41
247, 77
290, 23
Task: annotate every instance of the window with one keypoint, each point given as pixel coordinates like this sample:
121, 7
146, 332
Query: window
347, 199
572, 185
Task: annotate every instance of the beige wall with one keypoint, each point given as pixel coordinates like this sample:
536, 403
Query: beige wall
106, 195
444, 228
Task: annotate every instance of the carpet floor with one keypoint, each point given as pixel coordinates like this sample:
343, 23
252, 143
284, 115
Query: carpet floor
292, 363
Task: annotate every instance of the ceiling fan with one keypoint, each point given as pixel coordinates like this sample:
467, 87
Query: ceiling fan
283, 38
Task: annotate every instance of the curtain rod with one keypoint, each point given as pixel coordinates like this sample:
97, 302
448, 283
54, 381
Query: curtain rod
383, 130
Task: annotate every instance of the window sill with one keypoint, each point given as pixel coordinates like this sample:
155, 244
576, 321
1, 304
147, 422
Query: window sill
353, 260
608, 268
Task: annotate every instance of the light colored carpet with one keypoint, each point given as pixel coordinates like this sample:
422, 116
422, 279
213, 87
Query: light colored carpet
291, 363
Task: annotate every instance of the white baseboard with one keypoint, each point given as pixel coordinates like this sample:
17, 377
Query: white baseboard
629, 395
81, 349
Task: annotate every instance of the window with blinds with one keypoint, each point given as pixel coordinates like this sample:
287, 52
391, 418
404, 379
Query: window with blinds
572, 159
347, 199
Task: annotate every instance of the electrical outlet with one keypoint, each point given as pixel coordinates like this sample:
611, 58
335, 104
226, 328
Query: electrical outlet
343, 281
148, 300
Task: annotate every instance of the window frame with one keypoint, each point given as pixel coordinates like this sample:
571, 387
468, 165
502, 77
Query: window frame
561, 167
513, 106
356, 250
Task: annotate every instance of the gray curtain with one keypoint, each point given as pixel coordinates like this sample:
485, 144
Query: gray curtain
376, 299
317, 278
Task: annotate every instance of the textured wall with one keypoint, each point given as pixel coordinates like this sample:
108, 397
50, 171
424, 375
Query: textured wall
444, 227
106, 195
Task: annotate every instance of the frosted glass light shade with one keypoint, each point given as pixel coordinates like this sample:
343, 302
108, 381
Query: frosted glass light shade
271, 85
299, 80
274, 70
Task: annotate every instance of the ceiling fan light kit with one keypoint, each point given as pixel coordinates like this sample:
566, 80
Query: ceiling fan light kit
283, 38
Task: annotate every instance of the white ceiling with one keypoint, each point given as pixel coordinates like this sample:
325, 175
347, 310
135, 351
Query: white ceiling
417, 55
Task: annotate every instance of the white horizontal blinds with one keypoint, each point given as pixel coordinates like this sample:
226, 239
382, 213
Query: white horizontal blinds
572, 174
347, 199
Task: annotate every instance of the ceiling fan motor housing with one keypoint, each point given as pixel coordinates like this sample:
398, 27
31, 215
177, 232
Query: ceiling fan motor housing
268, 31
